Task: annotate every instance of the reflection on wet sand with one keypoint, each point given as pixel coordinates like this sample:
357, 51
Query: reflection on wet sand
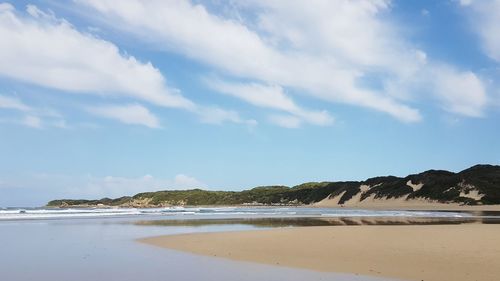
320, 221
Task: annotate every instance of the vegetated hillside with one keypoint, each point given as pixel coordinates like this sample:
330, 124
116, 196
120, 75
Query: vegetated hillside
479, 184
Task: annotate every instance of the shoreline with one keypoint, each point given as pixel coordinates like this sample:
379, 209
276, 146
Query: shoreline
410, 252
381, 205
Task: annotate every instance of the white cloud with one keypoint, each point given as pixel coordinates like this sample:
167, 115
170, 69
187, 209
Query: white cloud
457, 91
462, 92
272, 97
465, 2
321, 49
32, 117
324, 51
257, 94
286, 121
216, 115
112, 186
13, 103
92, 187
50, 52
41, 187
32, 121
46, 51
485, 20
128, 114
184, 181
60, 124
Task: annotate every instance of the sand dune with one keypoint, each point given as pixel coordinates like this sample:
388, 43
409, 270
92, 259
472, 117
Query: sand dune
401, 203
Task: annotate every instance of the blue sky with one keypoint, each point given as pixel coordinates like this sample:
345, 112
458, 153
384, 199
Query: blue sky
110, 98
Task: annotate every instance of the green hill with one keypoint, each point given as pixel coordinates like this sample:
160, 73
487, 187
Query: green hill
479, 184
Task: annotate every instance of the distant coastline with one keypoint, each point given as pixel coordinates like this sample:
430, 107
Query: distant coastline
476, 188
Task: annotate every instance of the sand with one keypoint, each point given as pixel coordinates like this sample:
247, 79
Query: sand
431, 252
401, 203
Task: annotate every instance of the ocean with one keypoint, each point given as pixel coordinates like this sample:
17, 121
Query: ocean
182, 212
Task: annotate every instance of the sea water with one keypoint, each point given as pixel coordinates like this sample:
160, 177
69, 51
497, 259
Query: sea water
57, 213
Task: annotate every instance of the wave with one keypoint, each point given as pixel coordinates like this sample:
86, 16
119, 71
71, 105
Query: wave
381, 213
42, 213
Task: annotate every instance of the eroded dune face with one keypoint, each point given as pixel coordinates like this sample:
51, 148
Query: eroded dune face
474, 186
367, 197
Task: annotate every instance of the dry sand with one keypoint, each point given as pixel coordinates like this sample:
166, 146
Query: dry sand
400, 204
431, 252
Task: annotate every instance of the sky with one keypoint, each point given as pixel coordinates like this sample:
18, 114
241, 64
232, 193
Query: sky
102, 98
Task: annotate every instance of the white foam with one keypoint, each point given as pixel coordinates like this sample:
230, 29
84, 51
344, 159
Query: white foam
23, 214
365, 213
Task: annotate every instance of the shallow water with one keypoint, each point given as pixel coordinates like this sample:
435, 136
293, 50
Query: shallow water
103, 247
320, 221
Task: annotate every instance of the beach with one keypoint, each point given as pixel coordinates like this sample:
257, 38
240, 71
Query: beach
101, 244
408, 252
401, 203
249, 243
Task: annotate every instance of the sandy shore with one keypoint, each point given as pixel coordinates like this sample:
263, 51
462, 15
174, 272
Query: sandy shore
402, 204
432, 252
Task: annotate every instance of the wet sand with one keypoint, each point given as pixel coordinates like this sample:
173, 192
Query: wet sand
461, 252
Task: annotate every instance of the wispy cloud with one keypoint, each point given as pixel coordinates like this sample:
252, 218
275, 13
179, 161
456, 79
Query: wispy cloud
128, 114
270, 96
32, 116
90, 186
115, 186
329, 73
286, 121
462, 92
32, 121
323, 50
41, 49
50, 52
120, 186
7, 102
485, 20
216, 115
